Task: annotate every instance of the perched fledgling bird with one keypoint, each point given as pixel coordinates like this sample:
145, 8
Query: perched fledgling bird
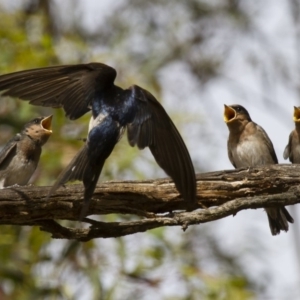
249, 146
292, 150
20, 156
84, 87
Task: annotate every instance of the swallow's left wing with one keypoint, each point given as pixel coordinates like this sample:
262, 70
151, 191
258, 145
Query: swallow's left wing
72, 87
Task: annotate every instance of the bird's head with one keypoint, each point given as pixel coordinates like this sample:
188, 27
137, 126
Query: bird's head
235, 113
296, 116
236, 117
39, 129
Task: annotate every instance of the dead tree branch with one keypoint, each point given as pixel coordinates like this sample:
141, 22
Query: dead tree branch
152, 203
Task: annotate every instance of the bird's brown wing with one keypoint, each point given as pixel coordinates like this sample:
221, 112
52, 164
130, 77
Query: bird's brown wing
153, 128
9, 150
266, 140
287, 151
71, 87
230, 156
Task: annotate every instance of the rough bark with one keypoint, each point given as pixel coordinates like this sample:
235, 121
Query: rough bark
152, 203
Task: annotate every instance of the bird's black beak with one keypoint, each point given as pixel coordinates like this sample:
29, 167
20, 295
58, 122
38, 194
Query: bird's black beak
296, 116
229, 114
46, 124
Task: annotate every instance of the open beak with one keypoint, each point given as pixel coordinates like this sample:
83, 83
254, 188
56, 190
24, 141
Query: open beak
296, 117
46, 124
229, 114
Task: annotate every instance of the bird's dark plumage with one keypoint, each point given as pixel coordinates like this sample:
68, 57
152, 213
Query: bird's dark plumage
292, 150
84, 87
20, 156
249, 146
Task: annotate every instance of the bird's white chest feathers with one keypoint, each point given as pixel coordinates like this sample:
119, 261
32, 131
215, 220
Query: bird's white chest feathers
251, 153
20, 172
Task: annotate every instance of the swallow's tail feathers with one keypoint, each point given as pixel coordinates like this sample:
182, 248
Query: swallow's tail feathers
278, 219
90, 180
74, 171
81, 169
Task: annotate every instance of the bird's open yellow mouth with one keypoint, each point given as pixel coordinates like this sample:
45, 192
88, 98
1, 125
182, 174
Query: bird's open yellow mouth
296, 117
46, 124
229, 113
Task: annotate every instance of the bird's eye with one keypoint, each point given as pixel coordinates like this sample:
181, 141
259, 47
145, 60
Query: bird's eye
36, 121
238, 109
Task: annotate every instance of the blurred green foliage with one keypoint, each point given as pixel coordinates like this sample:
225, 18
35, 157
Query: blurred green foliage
32, 265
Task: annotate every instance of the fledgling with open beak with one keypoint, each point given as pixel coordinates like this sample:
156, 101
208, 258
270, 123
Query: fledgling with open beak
20, 156
249, 146
90, 87
292, 150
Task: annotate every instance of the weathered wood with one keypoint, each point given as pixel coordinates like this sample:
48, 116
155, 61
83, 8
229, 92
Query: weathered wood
228, 191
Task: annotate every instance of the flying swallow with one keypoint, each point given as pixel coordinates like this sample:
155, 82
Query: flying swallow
292, 150
20, 156
249, 146
84, 87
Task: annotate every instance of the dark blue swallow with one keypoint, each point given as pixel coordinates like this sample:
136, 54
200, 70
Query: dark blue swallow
292, 150
81, 88
249, 146
20, 156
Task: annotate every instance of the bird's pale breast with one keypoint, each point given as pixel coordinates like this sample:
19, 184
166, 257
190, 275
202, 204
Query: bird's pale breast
251, 152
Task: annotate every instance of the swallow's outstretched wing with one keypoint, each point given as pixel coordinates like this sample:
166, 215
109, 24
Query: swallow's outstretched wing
153, 128
71, 87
